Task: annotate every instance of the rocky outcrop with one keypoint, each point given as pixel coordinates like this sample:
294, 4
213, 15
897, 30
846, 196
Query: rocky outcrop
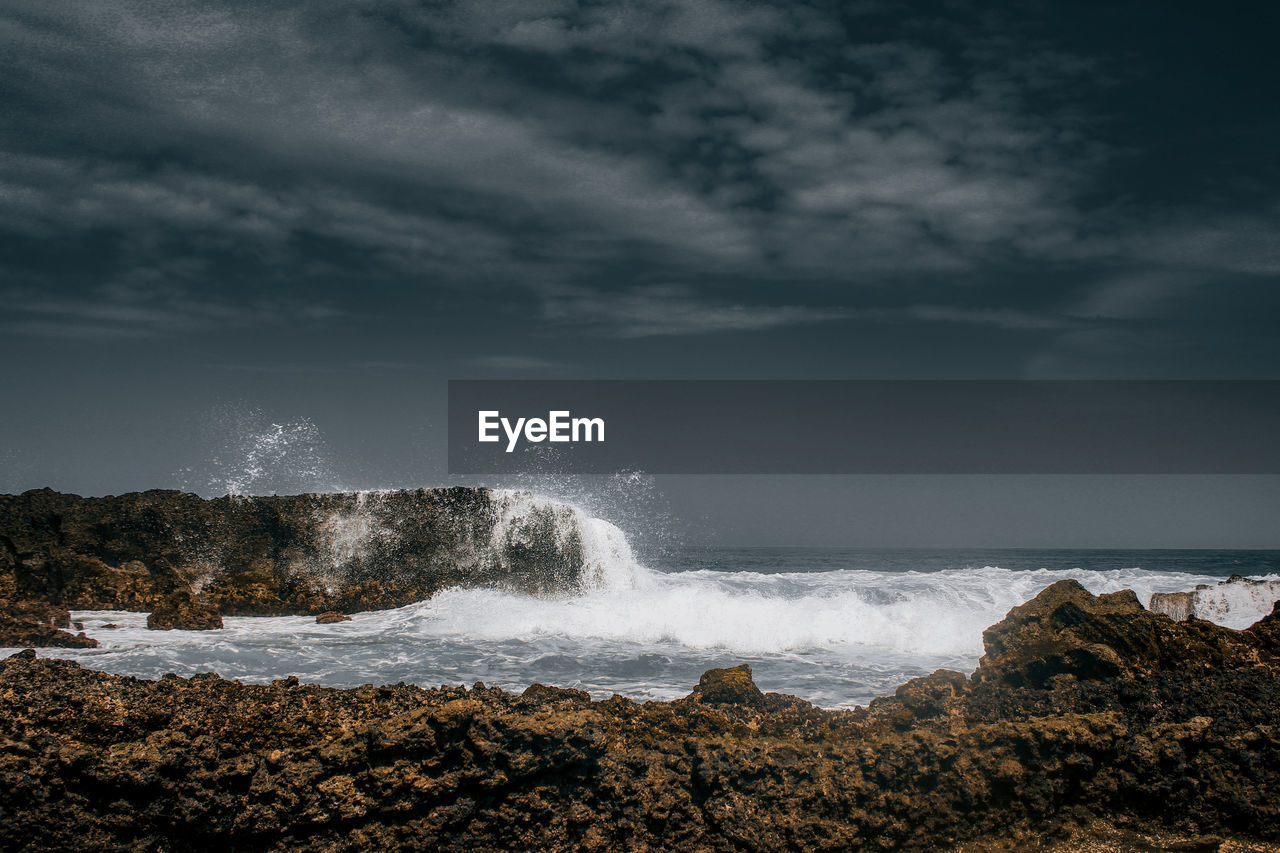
1090, 724
1235, 602
283, 555
36, 623
331, 618
18, 630
180, 610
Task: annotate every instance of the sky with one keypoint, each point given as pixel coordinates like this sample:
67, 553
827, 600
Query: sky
249, 243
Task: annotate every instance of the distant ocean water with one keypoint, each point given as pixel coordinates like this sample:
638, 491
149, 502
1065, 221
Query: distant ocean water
835, 626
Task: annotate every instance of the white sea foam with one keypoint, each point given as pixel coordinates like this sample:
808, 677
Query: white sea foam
929, 614
835, 637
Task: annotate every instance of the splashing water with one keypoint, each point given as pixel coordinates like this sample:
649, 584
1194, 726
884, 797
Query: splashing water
254, 455
630, 500
607, 559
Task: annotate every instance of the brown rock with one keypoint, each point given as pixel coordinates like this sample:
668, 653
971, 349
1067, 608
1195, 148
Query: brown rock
16, 633
181, 611
331, 617
1044, 750
1065, 630
38, 624
262, 556
732, 686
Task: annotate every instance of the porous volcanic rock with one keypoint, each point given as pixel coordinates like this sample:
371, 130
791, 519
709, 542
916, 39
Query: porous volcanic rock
181, 611
36, 623
283, 555
1087, 720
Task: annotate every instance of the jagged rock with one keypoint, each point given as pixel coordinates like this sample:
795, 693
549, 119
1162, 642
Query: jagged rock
1235, 602
36, 623
1065, 630
332, 617
732, 686
17, 633
935, 695
282, 555
1171, 743
180, 611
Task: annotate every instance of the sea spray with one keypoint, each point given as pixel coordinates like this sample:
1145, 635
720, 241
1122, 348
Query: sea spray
249, 453
563, 535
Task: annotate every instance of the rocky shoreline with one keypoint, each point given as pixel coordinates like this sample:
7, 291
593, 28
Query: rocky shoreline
1089, 722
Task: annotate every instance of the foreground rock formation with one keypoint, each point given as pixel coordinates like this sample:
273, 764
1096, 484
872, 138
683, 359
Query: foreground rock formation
294, 555
1089, 718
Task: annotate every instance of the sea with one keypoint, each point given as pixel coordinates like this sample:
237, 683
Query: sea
835, 626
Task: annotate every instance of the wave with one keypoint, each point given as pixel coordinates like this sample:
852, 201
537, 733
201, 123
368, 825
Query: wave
929, 613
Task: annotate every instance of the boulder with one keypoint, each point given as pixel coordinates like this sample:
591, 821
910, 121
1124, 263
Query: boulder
331, 617
732, 686
37, 623
17, 633
183, 612
1066, 630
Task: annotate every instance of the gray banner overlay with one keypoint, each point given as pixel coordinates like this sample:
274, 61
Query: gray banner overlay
867, 427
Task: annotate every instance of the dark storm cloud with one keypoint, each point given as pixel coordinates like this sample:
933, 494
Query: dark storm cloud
643, 169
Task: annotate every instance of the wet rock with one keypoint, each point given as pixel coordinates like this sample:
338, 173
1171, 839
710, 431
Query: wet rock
1178, 606
283, 555
181, 611
37, 623
331, 617
16, 633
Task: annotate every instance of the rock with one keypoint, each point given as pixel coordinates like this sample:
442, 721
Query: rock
330, 617
1090, 724
1065, 630
1178, 606
932, 696
16, 633
732, 686
182, 612
1236, 602
37, 623
283, 555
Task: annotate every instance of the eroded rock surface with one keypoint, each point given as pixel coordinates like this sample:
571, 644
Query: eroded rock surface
284, 555
32, 622
1086, 712
180, 610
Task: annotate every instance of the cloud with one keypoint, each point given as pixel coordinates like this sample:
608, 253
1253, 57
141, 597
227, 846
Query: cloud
661, 310
248, 162
122, 311
515, 363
